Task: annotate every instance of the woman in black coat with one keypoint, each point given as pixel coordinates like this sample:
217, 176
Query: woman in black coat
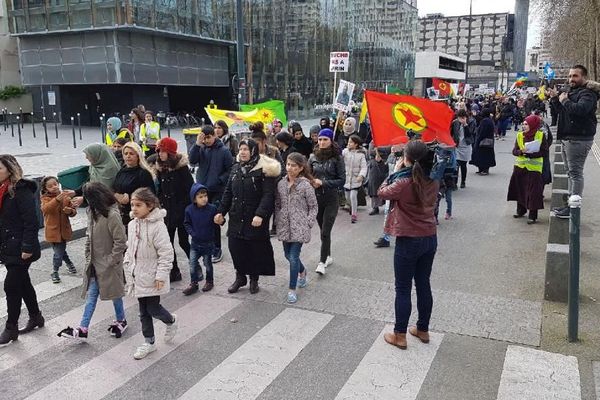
135, 174
249, 198
19, 246
484, 156
174, 184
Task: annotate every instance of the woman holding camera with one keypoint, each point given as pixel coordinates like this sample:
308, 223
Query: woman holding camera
413, 197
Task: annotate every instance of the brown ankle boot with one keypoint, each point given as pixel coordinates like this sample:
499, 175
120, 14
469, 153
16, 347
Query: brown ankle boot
423, 336
396, 339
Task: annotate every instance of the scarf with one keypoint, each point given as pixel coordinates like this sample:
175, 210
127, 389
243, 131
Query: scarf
247, 166
405, 172
3, 190
104, 165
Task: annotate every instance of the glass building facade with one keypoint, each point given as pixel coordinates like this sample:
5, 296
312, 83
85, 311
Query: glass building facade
287, 43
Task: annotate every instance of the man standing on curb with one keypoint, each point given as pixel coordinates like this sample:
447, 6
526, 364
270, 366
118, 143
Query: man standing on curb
576, 128
214, 165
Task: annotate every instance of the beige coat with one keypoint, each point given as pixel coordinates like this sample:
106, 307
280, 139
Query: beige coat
149, 255
104, 247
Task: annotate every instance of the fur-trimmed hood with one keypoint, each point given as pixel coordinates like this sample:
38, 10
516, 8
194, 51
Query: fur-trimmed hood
271, 168
157, 214
594, 86
182, 162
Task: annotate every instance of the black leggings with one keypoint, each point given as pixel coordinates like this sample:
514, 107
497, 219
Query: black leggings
17, 287
151, 307
326, 215
463, 170
184, 242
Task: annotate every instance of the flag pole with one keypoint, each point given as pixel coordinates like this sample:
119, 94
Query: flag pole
334, 89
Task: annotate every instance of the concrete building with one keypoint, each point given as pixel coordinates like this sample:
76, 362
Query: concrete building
487, 41
429, 65
536, 59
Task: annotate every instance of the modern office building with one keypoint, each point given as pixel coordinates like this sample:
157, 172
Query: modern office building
104, 56
433, 64
487, 41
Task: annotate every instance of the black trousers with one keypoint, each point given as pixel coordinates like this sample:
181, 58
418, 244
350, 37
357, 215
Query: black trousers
18, 288
522, 210
184, 242
326, 215
150, 307
463, 170
215, 198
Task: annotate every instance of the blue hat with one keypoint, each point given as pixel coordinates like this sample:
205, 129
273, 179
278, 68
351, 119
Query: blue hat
326, 133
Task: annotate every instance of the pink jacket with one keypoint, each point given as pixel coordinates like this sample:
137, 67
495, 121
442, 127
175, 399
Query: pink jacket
295, 210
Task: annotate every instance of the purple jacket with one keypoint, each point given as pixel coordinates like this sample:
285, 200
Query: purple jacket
295, 210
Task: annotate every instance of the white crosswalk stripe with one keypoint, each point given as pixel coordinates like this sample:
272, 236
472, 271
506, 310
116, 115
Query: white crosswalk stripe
530, 374
398, 374
383, 372
252, 367
47, 290
100, 376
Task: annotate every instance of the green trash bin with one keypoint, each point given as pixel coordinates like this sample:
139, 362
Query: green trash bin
74, 178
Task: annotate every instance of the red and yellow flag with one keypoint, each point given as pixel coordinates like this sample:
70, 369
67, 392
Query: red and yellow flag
443, 86
393, 115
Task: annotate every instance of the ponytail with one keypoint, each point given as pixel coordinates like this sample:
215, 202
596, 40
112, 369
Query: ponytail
418, 176
415, 152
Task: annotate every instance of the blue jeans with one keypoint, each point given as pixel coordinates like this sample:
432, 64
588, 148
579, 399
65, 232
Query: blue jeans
291, 250
206, 252
503, 125
90, 305
413, 259
60, 255
448, 196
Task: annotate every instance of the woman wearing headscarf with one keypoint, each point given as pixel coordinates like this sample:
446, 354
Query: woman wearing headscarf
483, 156
249, 198
103, 168
325, 123
526, 183
135, 174
114, 131
19, 246
348, 129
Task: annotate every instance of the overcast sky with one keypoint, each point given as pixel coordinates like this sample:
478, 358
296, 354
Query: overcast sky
461, 7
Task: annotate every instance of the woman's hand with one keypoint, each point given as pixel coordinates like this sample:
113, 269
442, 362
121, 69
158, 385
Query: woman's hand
158, 285
77, 201
122, 198
399, 164
219, 220
317, 183
360, 179
26, 256
257, 221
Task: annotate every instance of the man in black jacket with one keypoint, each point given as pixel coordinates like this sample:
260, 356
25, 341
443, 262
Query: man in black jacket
576, 128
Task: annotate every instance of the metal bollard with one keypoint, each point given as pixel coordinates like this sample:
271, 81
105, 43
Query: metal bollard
187, 120
55, 125
79, 124
574, 253
5, 123
19, 128
45, 130
169, 130
21, 115
12, 128
102, 139
73, 129
33, 124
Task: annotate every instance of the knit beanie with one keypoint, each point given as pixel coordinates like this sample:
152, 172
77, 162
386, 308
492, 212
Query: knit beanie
167, 144
328, 133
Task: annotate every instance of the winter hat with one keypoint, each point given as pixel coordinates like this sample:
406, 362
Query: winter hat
314, 129
534, 123
167, 144
328, 133
295, 127
115, 122
284, 137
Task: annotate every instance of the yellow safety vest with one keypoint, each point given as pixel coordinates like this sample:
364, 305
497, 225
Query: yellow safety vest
123, 133
531, 164
152, 138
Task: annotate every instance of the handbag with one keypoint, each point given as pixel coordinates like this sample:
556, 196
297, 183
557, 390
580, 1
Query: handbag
362, 196
487, 143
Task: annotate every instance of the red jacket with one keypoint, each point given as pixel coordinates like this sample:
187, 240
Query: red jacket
406, 216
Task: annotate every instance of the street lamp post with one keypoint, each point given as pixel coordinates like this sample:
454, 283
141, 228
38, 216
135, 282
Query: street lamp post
240, 53
469, 43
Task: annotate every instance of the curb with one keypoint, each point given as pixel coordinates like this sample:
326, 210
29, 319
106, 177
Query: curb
77, 234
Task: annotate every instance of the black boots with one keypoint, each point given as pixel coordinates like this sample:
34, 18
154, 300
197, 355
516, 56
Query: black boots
35, 321
10, 333
254, 286
240, 280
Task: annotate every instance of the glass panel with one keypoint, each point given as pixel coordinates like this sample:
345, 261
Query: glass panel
143, 13
166, 15
80, 12
104, 12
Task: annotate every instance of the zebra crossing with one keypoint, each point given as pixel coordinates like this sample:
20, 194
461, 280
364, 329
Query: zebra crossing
267, 344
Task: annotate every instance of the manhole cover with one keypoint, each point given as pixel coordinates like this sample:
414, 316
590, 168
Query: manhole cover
29, 155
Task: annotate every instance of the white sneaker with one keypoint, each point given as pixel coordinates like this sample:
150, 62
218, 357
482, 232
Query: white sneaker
143, 350
320, 268
329, 261
171, 330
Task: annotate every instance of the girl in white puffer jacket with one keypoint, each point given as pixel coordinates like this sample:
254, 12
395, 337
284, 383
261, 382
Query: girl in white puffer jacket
148, 262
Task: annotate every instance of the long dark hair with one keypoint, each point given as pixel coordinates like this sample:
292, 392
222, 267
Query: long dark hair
301, 161
415, 152
15, 172
223, 125
99, 197
332, 151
